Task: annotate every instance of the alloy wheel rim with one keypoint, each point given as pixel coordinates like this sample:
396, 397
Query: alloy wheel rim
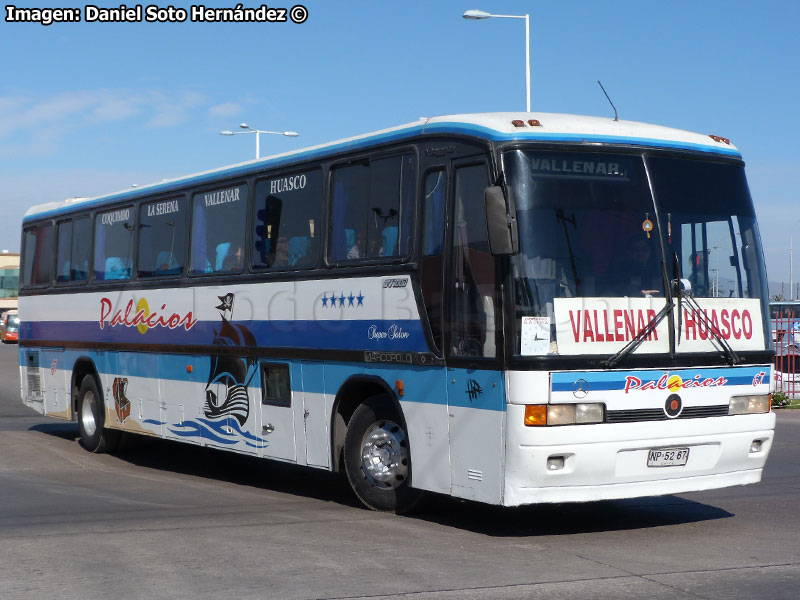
384, 454
87, 414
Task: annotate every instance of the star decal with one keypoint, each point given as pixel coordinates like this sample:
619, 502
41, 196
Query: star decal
351, 300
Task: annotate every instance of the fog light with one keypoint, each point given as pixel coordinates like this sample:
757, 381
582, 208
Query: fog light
555, 463
754, 447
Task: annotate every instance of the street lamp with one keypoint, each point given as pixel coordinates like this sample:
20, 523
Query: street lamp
249, 129
479, 15
791, 232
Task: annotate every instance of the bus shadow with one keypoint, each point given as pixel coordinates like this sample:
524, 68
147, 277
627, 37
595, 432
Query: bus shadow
65, 430
496, 521
239, 469
566, 519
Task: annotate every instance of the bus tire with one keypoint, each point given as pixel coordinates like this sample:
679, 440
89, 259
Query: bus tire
91, 419
377, 457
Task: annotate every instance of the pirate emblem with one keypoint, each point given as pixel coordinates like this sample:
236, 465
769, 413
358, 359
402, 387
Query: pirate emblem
227, 305
229, 376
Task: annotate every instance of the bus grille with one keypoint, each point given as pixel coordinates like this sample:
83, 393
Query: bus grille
657, 414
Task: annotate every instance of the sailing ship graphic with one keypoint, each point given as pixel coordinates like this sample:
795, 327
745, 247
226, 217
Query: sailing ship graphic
230, 374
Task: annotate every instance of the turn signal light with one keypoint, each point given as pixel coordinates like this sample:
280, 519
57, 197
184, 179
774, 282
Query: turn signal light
535, 415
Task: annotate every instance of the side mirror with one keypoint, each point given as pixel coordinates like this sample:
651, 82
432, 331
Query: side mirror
501, 221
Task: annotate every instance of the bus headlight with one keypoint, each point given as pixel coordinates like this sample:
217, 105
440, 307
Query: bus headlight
538, 415
749, 405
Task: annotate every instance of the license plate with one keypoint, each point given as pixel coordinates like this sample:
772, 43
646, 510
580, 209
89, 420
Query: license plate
668, 457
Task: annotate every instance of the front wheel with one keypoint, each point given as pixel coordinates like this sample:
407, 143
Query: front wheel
91, 419
377, 457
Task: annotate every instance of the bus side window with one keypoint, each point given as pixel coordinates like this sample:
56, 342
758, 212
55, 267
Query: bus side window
285, 232
64, 251
162, 238
432, 242
472, 321
113, 244
218, 226
390, 197
350, 201
38, 245
372, 209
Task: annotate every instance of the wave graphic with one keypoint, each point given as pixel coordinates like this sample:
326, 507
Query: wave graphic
223, 432
236, 404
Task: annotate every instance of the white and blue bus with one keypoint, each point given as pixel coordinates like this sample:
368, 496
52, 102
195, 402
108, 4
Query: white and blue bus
507, 308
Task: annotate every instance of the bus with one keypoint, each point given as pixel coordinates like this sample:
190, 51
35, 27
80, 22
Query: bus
510, 308
9, 281
784, 316
785, 325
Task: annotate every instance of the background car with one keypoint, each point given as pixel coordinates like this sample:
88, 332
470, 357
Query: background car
9, 330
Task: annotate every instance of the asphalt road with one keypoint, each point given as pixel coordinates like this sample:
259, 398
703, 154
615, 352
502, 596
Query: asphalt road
164, 520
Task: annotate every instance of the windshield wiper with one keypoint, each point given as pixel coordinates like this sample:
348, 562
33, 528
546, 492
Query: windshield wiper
699, 314
572, 262
713, 333
640, 337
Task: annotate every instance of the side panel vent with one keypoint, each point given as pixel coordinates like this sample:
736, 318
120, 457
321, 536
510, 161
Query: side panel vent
33, 377
474, 475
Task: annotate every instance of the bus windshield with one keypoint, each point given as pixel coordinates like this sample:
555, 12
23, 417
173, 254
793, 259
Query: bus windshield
595, 257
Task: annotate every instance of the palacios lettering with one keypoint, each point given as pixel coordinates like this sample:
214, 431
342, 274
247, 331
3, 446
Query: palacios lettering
671, 383
142, 318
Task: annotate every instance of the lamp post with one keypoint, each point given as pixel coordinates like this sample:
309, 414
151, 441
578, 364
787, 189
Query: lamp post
258, 133
791, 288
480, 15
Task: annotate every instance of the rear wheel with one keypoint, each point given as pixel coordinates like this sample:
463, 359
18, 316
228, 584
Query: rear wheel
91, 419
377, 457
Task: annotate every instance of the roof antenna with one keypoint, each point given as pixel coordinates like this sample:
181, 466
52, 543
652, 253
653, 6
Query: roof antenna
616, 117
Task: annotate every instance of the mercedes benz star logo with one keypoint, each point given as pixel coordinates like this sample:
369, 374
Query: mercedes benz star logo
580, 389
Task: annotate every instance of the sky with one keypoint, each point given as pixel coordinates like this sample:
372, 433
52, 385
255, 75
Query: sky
92, 107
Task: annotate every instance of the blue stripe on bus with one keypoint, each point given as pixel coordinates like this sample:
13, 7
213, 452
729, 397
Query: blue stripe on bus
314, 334
422, 384
405, 133
616, 380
